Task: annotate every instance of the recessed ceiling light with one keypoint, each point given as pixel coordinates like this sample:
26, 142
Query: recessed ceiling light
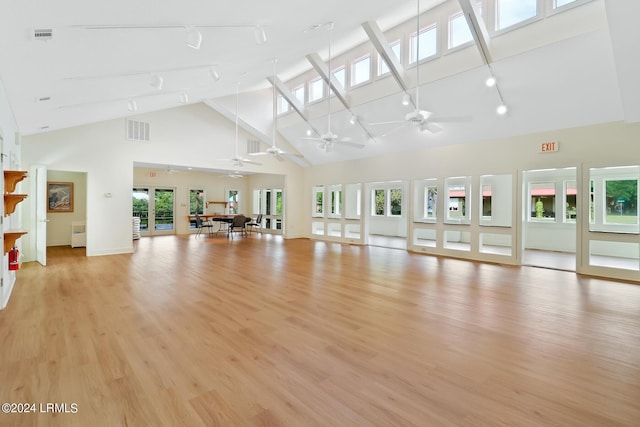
502, 109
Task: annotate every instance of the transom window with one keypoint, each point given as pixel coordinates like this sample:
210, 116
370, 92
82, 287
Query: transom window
361, 70
428, 44
511, 12
383, 67
341, 75
316, 89
298, 92
282, 105
560, 3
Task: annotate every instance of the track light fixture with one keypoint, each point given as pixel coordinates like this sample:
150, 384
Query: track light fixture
214, 74
156, 81
194, 38
405, 99
184, 98
259, 35
309, 132
353, 119
502, 110
131, 105
491, 81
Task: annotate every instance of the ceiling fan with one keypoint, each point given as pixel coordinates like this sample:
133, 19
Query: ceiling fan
274, 151
421, 119
238, 160
327, 141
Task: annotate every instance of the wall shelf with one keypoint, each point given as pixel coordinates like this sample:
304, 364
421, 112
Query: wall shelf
11, 201
10, 238
12, 178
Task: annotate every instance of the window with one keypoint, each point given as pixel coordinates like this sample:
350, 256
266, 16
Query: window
352, 201
486, 201
383, 67
395, 202
622, 201
257, 202
458, 200
560, 3
428, 44
341, 75
542, 197
614, 198
511, 12
316, 89
379, 202
570, 206
459, 32
336, 201
430, 201
233, 197
283, 105
425, 200
361, 70
196, 202
318, 201
299, 93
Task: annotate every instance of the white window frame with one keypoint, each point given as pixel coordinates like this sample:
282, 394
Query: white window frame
312, 82
342, 68
282, 105
354, 63
413, 44
538, 16
382, 63
304, 93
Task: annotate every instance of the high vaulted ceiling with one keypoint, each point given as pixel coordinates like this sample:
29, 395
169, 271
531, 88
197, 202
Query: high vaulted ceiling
104, 54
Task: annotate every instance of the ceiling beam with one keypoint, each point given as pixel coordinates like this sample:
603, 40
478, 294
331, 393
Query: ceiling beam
334, 86
477, 27
288, 96
227, 114
323, 70
381, 44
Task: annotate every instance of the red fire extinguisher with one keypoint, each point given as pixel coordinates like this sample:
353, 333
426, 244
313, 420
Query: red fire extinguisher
14, 254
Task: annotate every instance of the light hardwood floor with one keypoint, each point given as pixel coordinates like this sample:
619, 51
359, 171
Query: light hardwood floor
262, 331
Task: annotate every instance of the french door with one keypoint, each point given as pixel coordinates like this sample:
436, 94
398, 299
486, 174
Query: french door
155, 206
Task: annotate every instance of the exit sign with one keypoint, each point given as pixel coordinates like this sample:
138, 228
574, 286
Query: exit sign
547, 147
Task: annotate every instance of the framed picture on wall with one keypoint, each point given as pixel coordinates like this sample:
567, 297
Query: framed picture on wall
59, 196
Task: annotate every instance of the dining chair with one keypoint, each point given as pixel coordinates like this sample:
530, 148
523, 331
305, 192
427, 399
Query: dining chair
200, 224
255, 225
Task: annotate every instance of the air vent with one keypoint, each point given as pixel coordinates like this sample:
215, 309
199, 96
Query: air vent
253, 146
43, 34
137, 131
43, 99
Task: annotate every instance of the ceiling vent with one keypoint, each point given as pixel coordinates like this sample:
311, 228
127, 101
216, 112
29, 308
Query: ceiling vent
137, 131
43, 34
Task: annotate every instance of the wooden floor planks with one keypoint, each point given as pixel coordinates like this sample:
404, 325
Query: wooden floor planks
263, 331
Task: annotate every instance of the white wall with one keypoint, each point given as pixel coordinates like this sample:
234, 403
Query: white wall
610, 144
193, 135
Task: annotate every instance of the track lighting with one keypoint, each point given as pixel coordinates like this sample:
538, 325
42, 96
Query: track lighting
502, 109
184, 98
259, 35
405, 99
194, 39
131, 105
353, 119
156, 81
309, 132
491, 81
214, 74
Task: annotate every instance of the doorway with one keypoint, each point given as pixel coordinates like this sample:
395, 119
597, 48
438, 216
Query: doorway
549, 223
155, 206
386, 221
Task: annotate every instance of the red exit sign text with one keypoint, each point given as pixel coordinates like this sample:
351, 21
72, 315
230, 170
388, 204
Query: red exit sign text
546, 147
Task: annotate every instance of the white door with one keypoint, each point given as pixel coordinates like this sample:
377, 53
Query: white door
40, 173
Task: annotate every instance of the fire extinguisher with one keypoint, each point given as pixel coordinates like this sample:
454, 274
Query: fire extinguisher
14, 263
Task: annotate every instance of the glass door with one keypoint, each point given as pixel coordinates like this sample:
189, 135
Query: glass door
164, 209
156, 209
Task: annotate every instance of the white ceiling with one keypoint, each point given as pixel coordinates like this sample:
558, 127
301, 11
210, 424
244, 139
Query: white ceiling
90, 74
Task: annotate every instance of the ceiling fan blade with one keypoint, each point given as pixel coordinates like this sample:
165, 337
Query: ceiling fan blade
350, 144
430, 127
386, 123
251, 162
311, 139
452, 119
260, 153
393, 130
